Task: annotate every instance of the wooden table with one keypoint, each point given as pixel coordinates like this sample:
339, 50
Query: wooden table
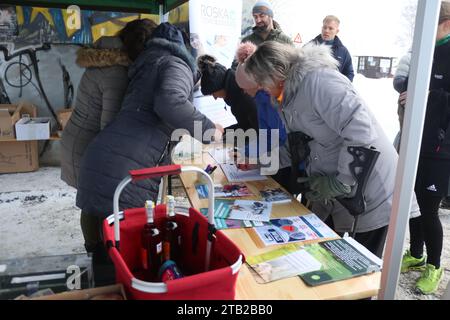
285, 289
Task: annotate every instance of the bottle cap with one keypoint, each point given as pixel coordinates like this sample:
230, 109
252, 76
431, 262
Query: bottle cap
149, 204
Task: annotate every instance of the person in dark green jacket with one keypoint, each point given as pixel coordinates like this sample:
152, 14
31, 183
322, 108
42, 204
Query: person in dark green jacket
265, 29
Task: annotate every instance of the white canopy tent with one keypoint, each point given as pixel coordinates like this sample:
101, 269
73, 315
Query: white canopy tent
419, 78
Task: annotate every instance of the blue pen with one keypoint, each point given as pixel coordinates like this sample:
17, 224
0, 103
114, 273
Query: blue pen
212, 169
208, 167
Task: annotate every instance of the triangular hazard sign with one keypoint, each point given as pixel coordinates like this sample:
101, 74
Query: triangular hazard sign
298, 38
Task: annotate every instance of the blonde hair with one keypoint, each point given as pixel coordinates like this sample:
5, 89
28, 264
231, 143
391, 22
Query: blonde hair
331, 18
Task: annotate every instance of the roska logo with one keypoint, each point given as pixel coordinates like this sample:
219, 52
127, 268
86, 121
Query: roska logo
219, 15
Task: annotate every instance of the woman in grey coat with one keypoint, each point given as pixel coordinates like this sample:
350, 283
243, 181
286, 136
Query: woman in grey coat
320, 102
99, 97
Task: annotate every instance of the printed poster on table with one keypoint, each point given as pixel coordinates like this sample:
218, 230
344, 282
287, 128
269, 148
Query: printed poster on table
221, 223
316, 263
234, 174
294, 229
215, 29
251, 210
232, 190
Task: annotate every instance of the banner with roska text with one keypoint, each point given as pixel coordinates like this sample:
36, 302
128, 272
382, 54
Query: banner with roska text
215, 29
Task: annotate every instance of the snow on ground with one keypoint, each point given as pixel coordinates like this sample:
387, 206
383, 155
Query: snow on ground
39, 216
380, 96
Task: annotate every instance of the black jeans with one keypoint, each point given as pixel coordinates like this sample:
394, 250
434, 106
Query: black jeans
283, 177
373, 240
91, 226
431, 187
427, 229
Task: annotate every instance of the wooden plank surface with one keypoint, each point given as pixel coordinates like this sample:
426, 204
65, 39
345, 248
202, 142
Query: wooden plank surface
246, 239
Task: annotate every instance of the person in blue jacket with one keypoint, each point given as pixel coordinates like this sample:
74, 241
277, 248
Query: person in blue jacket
330, 29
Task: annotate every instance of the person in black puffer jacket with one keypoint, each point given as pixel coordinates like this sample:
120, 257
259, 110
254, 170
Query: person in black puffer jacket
157, 102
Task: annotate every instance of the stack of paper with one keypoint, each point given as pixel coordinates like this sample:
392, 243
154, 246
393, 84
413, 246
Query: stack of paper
294, 229
240, 213
222, 155
233, 174
275, 195
243, 210
233, 190
316, 263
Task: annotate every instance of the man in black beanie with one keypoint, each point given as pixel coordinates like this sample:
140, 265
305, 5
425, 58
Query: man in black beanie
220, 82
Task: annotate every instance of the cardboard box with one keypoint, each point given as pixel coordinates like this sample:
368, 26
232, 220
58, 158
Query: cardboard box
33, 129
114, 292
10, 114
18, 156
64, 116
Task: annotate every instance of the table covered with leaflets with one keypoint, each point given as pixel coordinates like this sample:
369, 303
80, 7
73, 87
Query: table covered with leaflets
289, 221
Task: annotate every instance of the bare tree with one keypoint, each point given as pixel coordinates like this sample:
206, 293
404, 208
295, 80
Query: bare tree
408, 21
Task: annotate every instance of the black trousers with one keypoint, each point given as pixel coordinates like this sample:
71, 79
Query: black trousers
91, 226
431, 187
283, 177
373, 240
427, 229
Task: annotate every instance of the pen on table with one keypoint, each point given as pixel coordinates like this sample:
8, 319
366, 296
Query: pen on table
208, 167
235, 152
212, 169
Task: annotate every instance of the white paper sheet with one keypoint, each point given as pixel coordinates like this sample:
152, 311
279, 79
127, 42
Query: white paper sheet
233, 174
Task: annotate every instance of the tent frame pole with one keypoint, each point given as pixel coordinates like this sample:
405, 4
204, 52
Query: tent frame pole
419, 79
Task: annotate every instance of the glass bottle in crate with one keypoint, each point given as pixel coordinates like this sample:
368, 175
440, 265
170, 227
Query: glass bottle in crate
172, 237
151, 244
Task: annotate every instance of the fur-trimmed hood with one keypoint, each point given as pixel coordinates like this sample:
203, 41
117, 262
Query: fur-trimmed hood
310, 57
100, 58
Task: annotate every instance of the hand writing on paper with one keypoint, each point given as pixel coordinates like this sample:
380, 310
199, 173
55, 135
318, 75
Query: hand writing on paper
240, 161
247, 166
